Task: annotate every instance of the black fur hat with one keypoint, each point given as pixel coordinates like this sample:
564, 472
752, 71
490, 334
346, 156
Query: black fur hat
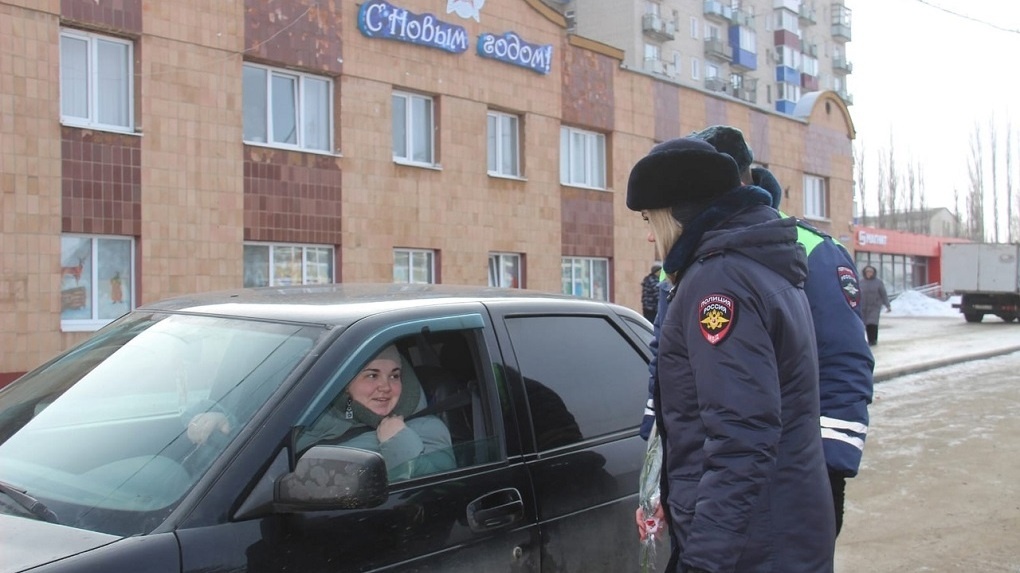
680, 171
728, 140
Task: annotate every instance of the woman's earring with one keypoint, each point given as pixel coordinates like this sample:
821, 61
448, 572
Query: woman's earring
349, 412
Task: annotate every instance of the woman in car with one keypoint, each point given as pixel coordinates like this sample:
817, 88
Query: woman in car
375, 412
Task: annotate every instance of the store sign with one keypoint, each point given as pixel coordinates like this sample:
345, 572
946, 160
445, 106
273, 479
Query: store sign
511, 49
866, 238
379, 19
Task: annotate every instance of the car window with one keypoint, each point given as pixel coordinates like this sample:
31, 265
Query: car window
582, 376
450, 423
101, 435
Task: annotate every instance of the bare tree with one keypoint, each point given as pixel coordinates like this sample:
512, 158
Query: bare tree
975, 198
994, 155
914, 221
861, 195
1012, 219
883, 185
893, 183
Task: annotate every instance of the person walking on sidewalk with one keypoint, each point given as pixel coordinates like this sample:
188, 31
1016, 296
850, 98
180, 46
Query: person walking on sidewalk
873, 298
650, 293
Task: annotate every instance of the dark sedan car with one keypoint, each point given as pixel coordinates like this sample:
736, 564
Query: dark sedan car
541, 395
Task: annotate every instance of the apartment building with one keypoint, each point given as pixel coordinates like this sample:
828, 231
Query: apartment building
150, 149
766, 53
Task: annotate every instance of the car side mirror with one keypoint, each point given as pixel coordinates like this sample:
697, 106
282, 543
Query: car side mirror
333, 477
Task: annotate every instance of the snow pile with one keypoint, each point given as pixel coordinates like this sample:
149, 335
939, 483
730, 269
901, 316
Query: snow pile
913, 303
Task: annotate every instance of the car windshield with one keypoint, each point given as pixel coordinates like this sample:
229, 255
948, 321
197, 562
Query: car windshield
99, 435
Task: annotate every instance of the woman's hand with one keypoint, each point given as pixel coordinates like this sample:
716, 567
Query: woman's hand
389, 427
203, 425
652, 525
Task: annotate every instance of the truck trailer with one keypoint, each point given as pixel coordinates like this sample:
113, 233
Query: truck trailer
986, 276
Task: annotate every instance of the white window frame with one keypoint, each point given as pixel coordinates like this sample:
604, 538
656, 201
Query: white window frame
816, 204
307, 262
584, 149
301, 112
498, 262
498, 163
73, 276
748, 39
695, 27
578, 277
94, 91
695, 68
424, 258
411, 130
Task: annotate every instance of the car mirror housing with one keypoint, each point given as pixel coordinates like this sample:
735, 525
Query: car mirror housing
333, 477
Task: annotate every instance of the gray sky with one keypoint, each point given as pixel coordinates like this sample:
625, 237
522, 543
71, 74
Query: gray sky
926, 77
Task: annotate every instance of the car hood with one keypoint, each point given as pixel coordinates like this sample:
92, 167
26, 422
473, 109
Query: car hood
27, 543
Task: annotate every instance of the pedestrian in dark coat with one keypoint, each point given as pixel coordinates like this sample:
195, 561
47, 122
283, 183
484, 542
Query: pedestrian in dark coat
873, 298
650, 293
744, 480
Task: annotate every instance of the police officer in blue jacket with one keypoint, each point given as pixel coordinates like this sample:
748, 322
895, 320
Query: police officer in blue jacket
845, 362
744, 482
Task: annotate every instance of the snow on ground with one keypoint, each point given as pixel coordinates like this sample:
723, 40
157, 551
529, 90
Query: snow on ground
913, 303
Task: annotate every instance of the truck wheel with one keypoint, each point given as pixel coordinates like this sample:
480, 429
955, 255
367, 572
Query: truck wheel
973, 316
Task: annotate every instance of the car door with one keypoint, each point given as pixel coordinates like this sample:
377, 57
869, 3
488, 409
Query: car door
582, 380
480, 517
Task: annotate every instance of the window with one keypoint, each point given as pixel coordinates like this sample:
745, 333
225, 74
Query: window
414, 266
96, 81
652, 8
282, 265
748, 40
790, 92
694, 27
815, 203
503, 144
96, 280
712, 32
592, 387
586, 277
653, 52
287, 109
413, 127
582, 158
506, 270
695, 68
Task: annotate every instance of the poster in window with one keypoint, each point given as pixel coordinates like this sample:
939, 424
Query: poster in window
75, 278
113, 277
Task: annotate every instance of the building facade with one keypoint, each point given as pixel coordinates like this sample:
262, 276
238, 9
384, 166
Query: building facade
152, 149
766, 53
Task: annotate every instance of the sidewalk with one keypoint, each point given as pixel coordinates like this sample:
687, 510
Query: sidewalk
907, 345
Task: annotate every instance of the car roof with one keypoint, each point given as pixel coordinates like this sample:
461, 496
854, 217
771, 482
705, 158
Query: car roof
342, 304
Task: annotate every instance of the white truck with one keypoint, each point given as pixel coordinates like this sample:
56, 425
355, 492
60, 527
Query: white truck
986, 276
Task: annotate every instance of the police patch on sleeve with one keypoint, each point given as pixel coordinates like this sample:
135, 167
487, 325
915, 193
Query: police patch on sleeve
848, 283
716, 313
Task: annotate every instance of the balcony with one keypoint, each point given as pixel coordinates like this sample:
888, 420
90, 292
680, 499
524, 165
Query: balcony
655, 27
807, 14
841, 22
743, 18
847, 98
841, 66
717, 49
809, 49
718, 11
660, 67
716, 84
747, 90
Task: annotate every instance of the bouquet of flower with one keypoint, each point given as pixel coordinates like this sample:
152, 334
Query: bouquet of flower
648, 499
